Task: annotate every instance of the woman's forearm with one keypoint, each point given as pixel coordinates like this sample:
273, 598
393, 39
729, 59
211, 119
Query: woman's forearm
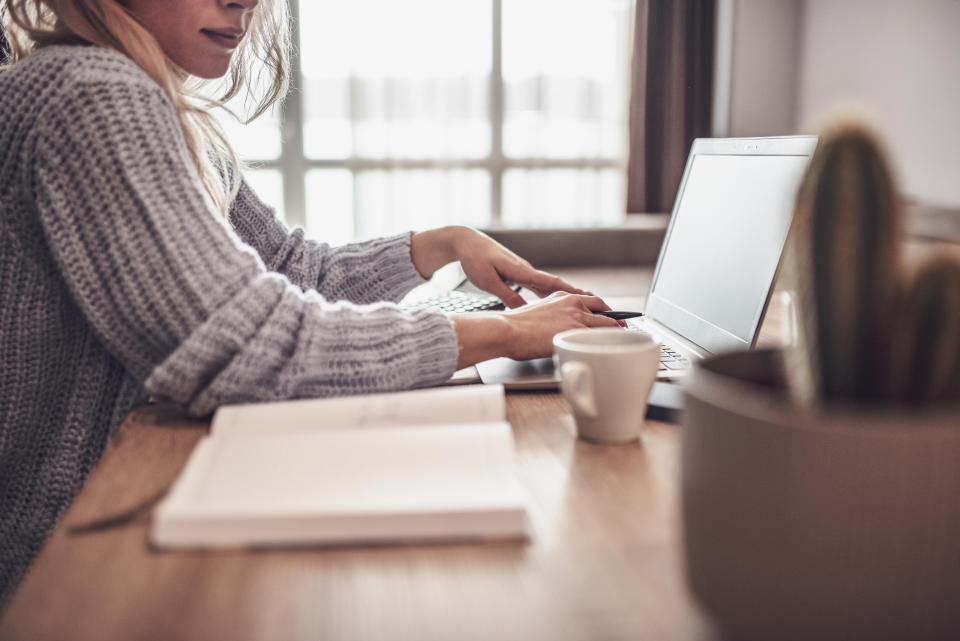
430, 250
481, 336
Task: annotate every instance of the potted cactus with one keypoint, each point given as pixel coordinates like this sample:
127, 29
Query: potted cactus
821, 483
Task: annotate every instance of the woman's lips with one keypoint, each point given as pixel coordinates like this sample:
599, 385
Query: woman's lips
225, 38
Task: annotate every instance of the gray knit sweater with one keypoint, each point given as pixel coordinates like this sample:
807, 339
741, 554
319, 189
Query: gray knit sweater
117, 281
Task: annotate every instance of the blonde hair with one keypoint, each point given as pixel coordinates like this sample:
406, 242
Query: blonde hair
259, 70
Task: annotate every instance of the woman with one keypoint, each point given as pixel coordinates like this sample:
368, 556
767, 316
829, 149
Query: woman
136, 262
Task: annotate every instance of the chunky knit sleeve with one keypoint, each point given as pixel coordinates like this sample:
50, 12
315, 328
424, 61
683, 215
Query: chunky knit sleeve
366, 272
178, 298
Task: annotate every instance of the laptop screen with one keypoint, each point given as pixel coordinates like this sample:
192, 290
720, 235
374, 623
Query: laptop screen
722, 250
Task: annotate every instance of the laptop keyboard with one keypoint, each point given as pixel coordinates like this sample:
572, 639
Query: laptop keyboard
670, 359
454, 301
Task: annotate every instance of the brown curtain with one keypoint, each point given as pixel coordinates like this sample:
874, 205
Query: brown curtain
671, 96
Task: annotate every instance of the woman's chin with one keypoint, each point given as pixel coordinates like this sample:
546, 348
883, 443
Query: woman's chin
207, 67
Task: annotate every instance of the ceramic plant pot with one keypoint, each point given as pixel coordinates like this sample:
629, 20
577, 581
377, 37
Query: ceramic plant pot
842, 524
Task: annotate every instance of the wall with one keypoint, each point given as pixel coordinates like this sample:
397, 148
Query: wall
794, 60
765, 67
901, 62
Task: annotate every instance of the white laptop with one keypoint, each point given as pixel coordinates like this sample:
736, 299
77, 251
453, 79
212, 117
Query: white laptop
719, 258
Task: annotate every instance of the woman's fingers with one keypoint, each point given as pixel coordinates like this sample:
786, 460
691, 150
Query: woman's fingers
489, 265
534, 325
544, 283
593, 303
598, 320
582, 309
490, 281
509, 297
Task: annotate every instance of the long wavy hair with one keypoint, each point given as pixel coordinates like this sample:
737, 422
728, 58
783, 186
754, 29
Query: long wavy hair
259, 70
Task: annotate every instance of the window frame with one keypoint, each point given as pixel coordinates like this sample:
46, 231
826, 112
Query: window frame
293, 164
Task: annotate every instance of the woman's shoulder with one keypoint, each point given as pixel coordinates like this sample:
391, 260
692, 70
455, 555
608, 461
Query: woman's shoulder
76, 79
60, 68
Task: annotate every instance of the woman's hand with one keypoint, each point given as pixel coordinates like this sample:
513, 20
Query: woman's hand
488, 264
526, 332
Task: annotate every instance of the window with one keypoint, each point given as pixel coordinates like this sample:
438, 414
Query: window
414, 114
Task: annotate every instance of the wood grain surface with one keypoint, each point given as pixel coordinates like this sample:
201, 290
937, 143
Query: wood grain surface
603, 563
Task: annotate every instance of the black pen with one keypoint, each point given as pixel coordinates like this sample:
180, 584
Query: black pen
620, 315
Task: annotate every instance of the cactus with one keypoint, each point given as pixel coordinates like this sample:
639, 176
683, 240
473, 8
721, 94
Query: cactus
868, 332
846, 265
927, 350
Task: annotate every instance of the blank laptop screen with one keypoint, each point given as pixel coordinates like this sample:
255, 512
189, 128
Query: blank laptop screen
728, 232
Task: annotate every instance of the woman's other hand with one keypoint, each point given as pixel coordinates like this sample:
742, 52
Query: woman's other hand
526, 332
488, 264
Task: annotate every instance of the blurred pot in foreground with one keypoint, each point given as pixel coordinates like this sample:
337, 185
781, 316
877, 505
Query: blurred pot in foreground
841, 523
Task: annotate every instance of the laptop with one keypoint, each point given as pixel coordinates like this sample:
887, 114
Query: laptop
718, 261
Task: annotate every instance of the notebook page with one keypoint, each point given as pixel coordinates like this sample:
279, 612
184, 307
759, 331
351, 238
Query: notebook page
464, 404
379, 484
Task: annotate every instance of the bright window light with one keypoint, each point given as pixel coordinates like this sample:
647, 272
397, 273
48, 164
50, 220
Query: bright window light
415, 114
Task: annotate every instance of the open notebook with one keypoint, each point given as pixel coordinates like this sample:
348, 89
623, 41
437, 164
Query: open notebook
426, 465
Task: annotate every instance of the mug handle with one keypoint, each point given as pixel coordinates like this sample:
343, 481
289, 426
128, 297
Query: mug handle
576, 383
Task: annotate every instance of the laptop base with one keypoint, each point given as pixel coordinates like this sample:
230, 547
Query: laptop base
539, 374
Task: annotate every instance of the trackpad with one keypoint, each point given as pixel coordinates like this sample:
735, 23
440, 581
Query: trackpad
538, 373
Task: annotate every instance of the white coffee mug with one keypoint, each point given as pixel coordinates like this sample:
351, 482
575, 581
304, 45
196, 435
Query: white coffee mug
606, 375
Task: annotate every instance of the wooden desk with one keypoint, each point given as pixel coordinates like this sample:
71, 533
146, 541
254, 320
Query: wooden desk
604, 561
